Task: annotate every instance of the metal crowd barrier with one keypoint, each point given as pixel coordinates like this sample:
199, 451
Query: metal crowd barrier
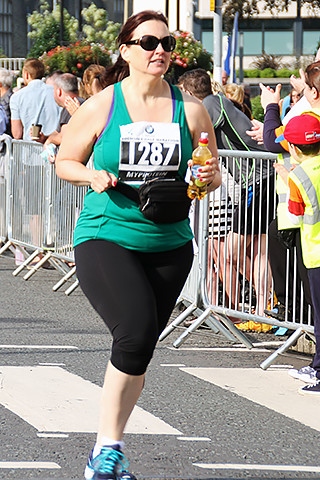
230, 280
41, 212
5, 150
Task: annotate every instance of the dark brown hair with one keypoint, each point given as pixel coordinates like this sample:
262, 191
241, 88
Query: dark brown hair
135, 20
313, 76
120, 69
197, 82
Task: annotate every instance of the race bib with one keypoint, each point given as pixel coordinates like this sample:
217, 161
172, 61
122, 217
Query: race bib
149, 150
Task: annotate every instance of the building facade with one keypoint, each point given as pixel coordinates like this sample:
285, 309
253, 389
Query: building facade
289, 34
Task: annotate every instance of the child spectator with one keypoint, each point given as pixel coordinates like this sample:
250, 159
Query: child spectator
303, 136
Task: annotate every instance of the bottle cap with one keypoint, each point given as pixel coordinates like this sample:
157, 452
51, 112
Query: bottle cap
203, 138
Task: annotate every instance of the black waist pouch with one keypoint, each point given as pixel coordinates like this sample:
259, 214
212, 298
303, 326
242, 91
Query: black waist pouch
160, 200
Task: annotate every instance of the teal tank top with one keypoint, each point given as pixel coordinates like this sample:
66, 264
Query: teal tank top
114, 217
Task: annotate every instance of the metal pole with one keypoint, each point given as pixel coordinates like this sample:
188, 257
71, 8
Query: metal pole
217, 42
61, 22
125, 11
241, 57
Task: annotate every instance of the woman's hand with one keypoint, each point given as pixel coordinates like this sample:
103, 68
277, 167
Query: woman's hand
71, 104
209, 171
298, 83
269, 95
102, 180
256, 132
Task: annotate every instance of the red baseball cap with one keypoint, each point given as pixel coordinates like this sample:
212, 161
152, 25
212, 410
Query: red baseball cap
302, 130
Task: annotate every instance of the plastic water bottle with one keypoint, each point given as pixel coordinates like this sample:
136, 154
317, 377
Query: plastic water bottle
200, 155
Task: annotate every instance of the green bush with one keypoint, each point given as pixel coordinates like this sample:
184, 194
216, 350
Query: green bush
254, 73
283, 73
268, 73
257, 110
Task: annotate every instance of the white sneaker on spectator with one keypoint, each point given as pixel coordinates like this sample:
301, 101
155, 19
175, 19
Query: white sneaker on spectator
305, 374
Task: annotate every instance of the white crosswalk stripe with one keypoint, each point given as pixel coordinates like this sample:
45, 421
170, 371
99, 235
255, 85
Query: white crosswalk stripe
52, 399
272, 388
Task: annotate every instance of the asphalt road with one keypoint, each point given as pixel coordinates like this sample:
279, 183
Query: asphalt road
207, 411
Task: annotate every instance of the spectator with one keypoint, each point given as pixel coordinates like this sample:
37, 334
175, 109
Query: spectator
94, 80
224, 77
303, 136
65, 87
288, 102
3, 121
247, 95
256, 132
6, 80
33, 104
235, 93
282, 261
230, 125
52, 76
117, 249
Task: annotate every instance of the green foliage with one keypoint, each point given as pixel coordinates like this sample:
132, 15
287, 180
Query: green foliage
254, 73
76, 57
2, 55
283, 73
98, 29
268, 73
257, 110
188, 54
45, 29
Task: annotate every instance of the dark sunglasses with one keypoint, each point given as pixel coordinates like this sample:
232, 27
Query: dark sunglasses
150, 42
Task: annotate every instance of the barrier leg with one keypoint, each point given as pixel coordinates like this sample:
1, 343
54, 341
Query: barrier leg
177, 321
5, 247
235, 331
287, 344
72, 288
34, 269
218, 327
64, 279
192, 328
26, 263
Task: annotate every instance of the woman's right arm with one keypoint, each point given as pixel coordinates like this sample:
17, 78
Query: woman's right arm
79, 137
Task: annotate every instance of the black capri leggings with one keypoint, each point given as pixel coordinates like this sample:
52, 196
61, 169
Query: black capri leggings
134, 293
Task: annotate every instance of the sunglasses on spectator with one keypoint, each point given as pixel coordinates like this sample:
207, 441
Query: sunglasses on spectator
150, 42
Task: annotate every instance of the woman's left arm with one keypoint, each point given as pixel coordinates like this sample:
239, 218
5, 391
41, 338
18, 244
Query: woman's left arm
199, 121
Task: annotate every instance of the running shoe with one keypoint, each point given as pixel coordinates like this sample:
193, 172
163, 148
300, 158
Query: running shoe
127, 476
110, 464
311, 389
305, 374
278, 312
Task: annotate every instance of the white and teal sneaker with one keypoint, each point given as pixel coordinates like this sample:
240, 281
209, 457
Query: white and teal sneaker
110, 464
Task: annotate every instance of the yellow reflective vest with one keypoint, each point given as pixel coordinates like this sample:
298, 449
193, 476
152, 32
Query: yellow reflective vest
307, 179
283, 220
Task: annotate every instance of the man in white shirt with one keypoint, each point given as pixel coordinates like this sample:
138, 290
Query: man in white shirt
33, 104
